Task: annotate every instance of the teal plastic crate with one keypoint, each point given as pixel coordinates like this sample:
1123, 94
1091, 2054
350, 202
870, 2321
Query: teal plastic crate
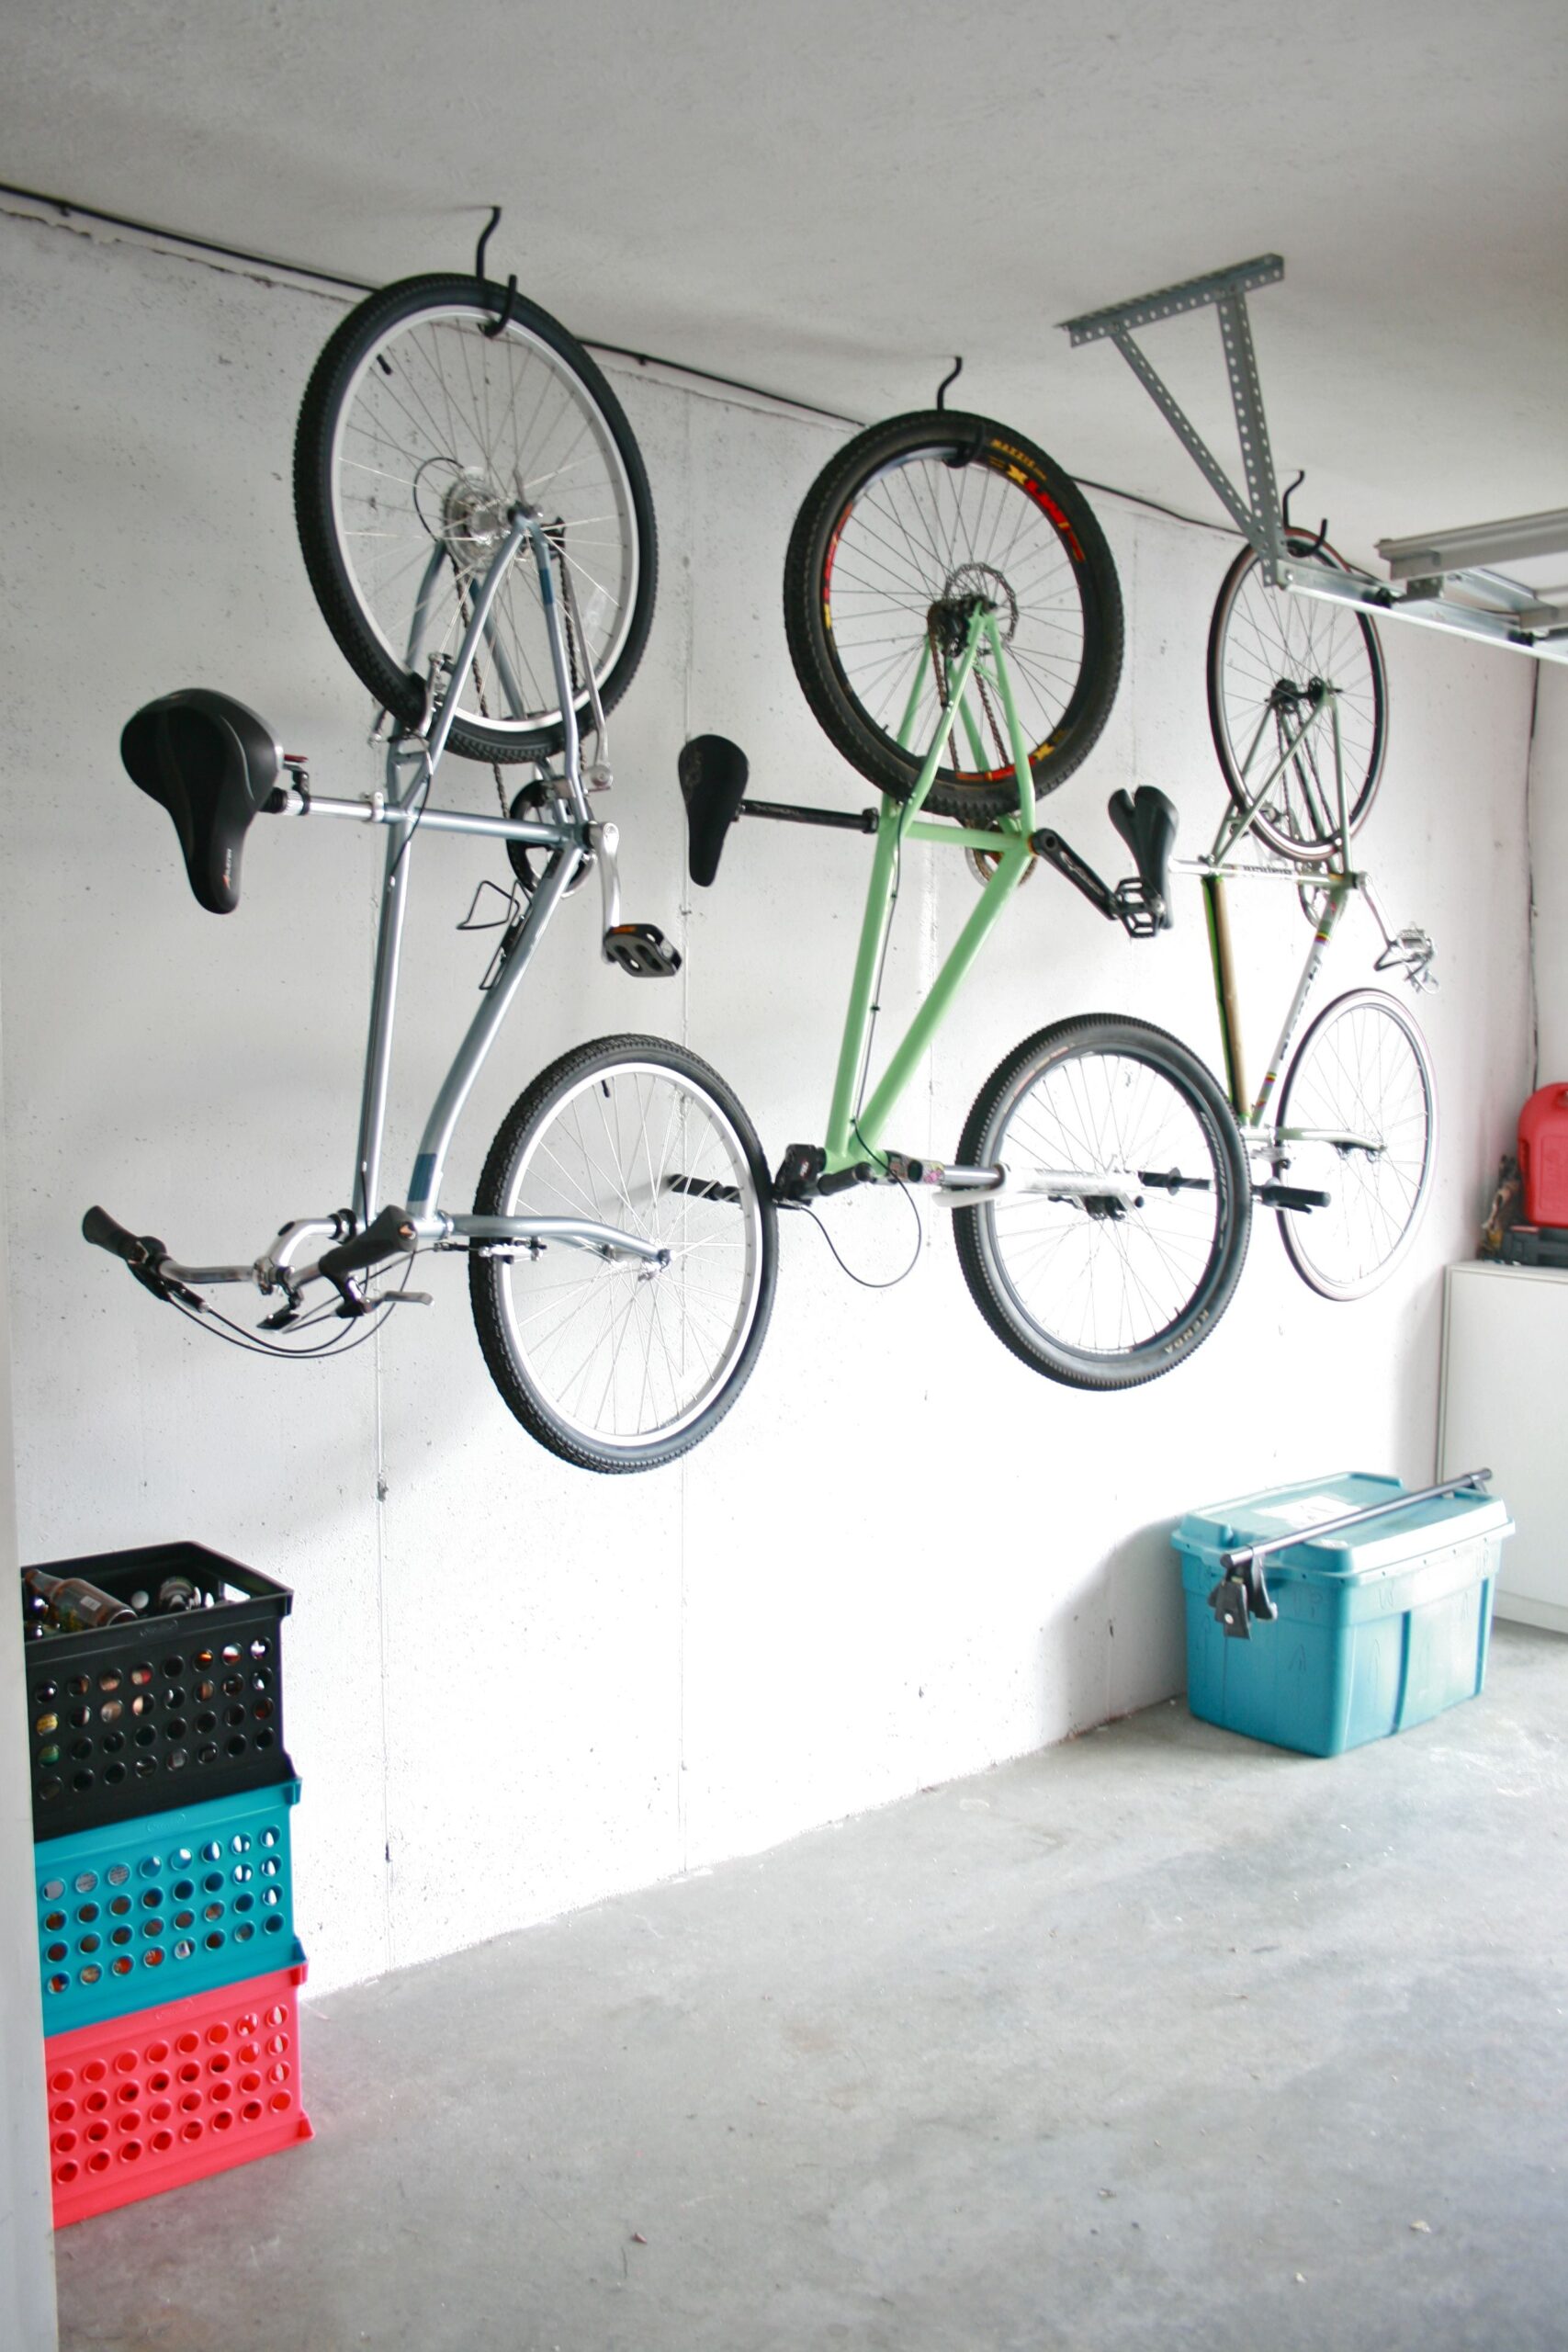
167, 1906
1379, 1628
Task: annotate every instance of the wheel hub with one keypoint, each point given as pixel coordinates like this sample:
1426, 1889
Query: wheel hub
475, 518
971, 588
1287, 693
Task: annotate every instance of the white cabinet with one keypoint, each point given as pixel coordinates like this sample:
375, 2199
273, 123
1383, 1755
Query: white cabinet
1504, 1406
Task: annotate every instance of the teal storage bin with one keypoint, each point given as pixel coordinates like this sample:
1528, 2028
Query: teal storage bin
159, 1909
1380, 1627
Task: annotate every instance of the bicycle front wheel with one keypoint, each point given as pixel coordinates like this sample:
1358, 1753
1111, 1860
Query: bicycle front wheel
1117, 1242
621, 1365
1270, 652
421, 427
908, 526
1359, 1121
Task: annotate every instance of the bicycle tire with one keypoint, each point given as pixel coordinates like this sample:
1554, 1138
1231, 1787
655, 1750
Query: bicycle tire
418, 430
1362, 1067
1266, 648
1090, 1298
580, 1350
910, 516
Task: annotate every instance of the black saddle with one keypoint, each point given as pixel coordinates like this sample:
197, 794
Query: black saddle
1146, 822
213, 765
713, 774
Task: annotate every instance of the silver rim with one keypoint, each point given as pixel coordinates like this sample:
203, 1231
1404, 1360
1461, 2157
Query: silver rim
1274, 645
1092, 1285
625, 1355
1361, 1071
440, 430
918, 532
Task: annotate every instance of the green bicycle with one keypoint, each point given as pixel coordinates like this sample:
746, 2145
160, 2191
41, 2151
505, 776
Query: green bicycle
955, 623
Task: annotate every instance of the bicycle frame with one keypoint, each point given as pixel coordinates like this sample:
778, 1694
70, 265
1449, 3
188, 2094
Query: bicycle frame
1409, 950
852, 1134
572, 841
853, 1151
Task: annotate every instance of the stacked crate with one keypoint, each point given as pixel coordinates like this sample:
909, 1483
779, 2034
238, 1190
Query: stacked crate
161, 1799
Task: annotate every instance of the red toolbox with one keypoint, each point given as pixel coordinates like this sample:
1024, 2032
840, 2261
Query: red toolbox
1543, 1155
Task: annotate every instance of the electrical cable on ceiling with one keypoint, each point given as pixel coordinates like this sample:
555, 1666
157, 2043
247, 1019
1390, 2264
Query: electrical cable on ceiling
335, 279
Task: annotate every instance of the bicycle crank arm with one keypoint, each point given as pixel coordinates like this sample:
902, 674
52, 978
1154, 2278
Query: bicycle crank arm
701, 1188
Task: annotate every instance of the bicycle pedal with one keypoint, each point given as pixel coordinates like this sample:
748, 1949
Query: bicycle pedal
641, 949
1291, 1196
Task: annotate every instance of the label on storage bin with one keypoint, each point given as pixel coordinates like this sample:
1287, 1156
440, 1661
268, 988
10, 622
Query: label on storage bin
1306, 1510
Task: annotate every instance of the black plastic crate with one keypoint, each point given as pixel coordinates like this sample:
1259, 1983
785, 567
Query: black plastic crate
170, 1711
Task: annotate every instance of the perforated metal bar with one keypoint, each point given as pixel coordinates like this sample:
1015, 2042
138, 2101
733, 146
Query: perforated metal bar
1258, 516
1191, 439
1251, 424
1192, 294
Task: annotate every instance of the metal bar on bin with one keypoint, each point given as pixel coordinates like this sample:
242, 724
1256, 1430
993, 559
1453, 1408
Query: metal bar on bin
1236, 1563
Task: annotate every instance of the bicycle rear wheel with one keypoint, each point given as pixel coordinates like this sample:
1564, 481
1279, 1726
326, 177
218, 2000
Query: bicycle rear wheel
1269, 649
1090, 1287
1361, 1089
419, 429
907, 525
620, 1365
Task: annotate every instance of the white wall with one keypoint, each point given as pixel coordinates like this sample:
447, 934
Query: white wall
27, 2219
512, 1688
1549, 860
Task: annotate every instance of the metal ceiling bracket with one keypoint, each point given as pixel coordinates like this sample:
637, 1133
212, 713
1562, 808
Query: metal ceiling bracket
1258, 516
1438, 579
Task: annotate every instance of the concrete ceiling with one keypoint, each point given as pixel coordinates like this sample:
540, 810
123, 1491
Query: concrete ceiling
829, 196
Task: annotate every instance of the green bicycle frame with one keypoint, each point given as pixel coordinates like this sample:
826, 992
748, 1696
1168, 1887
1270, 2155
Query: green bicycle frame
855, 1136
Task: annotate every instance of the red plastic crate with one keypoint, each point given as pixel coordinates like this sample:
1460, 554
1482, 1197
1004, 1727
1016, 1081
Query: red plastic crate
1543, 1155
169, 2095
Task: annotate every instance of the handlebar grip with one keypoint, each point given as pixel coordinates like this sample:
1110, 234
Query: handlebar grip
391, 1235
101, 1229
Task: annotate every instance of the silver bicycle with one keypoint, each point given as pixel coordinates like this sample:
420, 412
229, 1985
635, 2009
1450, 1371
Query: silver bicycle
461, 461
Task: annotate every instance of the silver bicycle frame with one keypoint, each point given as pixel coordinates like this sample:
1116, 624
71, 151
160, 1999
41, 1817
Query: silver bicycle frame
1337, 883
571, 841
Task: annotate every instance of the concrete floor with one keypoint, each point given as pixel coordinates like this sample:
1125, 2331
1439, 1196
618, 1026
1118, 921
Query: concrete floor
1160, 2038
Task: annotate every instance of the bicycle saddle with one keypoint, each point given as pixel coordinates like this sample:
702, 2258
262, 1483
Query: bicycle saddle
213, 765
713, 774
1146, 822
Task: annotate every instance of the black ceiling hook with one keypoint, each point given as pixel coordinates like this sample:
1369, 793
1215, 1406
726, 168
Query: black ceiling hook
484, 240
498, 326
1317, 545
951, 378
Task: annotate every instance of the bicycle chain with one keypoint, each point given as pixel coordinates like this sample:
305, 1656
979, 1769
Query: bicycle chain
939, 671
